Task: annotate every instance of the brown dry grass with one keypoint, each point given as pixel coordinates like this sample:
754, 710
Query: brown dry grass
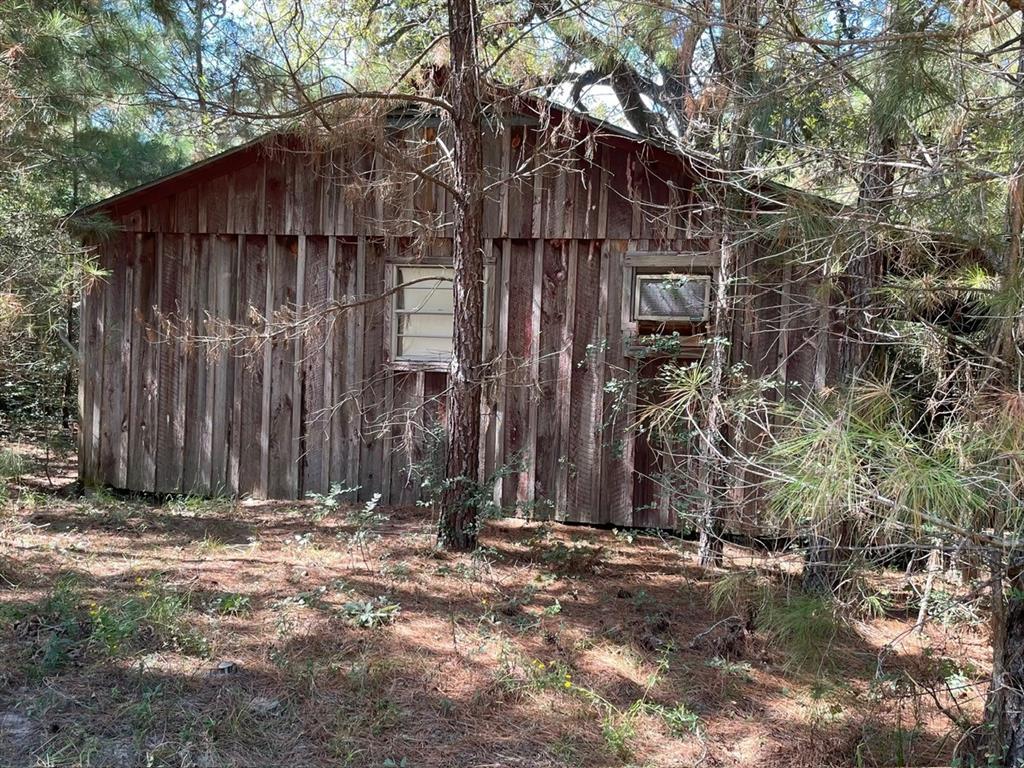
553, 646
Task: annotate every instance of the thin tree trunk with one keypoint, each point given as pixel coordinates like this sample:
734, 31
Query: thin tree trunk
1004, 709
736, 61
1010, 728
457, 527
823, 560
934, 567
822, 565
710, 474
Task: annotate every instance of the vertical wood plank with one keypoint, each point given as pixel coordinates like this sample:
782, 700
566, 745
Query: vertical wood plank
534, 357
345, 372
554, 273
502, 364
236, 362
586, 395
222, 282
194, 370
143, 422
251, 365
282, 463
566, 370
91, 381
127, 359
110, 356
170, 422
314, 420
618, 400
517, 449
371, 387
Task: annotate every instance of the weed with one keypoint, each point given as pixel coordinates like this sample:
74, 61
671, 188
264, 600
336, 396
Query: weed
624, 536
325, 504
371, 613
152, 615
194, 506
565, 749
575, 558
231, 604
549, 676
740, 670
554, 609
740, 592
826, 706
641, 600
210, 544
679, 719
804, 625
396, 571
618, 730
948, 608
64, 626
365, 522
12, 465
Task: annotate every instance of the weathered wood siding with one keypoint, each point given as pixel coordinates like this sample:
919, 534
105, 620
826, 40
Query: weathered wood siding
267, 229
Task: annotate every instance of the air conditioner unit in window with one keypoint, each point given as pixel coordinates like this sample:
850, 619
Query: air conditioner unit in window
668, 297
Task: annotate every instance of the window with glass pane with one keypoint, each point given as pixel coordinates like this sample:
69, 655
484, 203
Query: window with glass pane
669, 296
424, 315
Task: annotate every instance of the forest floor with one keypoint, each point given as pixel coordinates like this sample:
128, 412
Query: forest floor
213, 633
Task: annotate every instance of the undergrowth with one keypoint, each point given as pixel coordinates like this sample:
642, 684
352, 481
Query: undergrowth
66, 627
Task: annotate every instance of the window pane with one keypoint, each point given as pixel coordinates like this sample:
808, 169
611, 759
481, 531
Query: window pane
424, 316
416, 347
671, 296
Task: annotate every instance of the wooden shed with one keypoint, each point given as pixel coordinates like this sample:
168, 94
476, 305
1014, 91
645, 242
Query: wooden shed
583, 224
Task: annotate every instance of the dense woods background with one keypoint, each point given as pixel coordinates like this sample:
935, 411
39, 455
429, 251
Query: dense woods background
899, 124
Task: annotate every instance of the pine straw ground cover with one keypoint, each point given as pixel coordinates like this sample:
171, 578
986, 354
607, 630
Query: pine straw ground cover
192, 633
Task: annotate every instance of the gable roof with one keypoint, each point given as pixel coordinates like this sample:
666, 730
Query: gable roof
534, 108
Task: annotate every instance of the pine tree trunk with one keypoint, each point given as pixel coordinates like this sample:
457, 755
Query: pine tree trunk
865, 270
711, 473
825, 561
736, 61
1011, 726
1004, 709
934, 567
457, 526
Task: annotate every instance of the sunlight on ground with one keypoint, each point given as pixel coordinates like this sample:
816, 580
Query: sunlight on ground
211, 633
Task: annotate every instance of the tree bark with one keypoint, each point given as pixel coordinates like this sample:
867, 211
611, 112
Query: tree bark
736, 65
458, 522
825, 559
934, 567
710, 472
1004, 708
1010, 726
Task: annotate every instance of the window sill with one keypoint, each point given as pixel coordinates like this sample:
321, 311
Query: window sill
418, 365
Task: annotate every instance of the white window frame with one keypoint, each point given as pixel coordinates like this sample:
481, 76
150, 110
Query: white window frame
440, 359
670, 276
432, 362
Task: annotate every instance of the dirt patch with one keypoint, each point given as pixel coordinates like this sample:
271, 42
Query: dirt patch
215, 634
